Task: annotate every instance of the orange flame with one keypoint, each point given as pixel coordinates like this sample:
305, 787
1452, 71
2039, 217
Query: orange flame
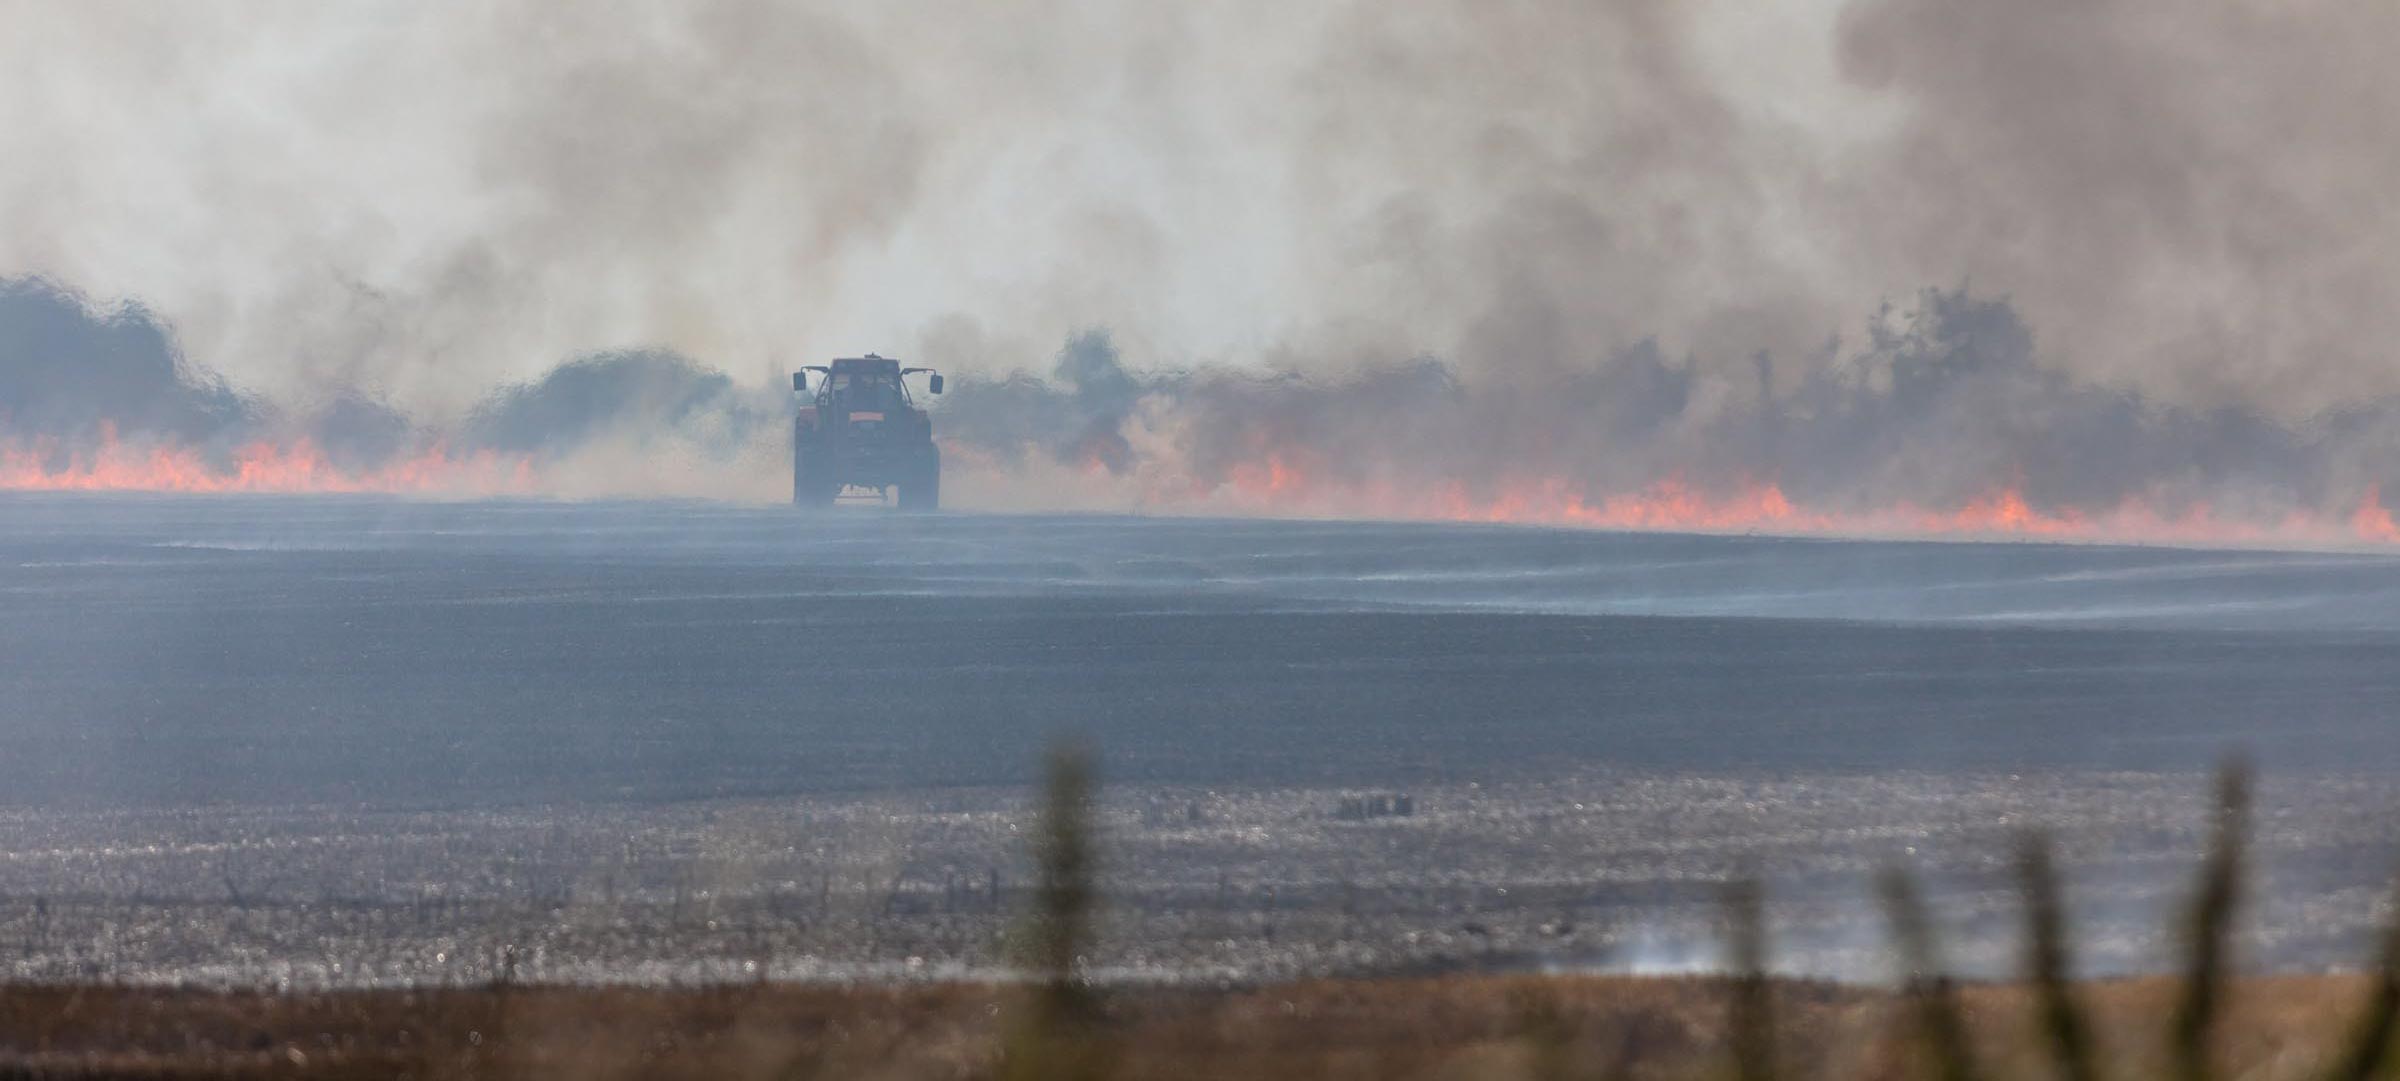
1282, 483
1274, 482
113, 465
2372, 522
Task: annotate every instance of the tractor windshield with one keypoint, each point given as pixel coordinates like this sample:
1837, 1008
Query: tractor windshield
864, 391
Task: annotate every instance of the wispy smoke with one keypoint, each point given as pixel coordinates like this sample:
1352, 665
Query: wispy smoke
2193, 200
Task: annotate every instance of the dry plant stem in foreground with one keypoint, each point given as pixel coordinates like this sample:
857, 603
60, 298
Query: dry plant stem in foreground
2370, 1044
1750, 1018
2208, 930
1932, 1002
1549, 1038
1059, 1036
2049, 965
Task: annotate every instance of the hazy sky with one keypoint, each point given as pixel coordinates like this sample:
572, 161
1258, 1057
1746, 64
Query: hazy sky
428, 199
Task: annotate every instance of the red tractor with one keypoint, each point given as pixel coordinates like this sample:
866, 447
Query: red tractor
860, 429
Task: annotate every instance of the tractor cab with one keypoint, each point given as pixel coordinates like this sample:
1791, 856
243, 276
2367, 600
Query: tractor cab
871, 385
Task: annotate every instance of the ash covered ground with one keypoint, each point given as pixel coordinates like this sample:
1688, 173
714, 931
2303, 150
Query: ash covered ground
347, 741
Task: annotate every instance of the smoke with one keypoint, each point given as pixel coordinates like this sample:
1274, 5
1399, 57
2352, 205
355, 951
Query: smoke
1574, 249
76, 382
1077, 416
641, 399
67, 372
2195, 201
425, 201
359, 435
1941, 403
1937, 406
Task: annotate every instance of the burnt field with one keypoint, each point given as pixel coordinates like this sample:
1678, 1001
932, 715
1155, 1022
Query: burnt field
1606, 873
370, 743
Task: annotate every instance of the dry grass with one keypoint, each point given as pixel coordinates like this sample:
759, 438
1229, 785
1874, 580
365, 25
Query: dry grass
1467, 1027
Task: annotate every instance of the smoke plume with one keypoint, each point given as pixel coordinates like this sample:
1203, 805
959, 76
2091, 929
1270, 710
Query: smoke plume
1450, 258
68, 372
1941, 404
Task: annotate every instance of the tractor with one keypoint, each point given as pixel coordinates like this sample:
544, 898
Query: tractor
859, 432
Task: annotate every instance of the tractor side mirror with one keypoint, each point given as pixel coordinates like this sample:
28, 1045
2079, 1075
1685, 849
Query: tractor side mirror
799, 382
936, 383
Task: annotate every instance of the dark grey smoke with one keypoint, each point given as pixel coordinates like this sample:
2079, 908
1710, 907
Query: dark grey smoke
357, 433
636, 398
71, 375
67, 373
1942, 402
1939, 403
1947, 402
1077, 416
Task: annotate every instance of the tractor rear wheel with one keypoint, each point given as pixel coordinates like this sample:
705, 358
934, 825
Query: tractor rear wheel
809, 485
922, 491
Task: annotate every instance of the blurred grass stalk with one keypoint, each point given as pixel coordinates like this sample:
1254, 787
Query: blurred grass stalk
1548, 1035
2049, 964
1932, 1002
2369, 1050
2208, 931
1750, 1017
1057, 1034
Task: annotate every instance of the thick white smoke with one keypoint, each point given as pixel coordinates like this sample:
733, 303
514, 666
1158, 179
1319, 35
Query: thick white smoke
1596, 219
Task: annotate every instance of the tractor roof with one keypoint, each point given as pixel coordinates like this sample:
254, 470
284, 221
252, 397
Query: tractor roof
868, 363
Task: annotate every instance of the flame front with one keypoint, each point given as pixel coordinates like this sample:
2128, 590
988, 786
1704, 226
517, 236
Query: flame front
297, 466
1271, 483
1280, 484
